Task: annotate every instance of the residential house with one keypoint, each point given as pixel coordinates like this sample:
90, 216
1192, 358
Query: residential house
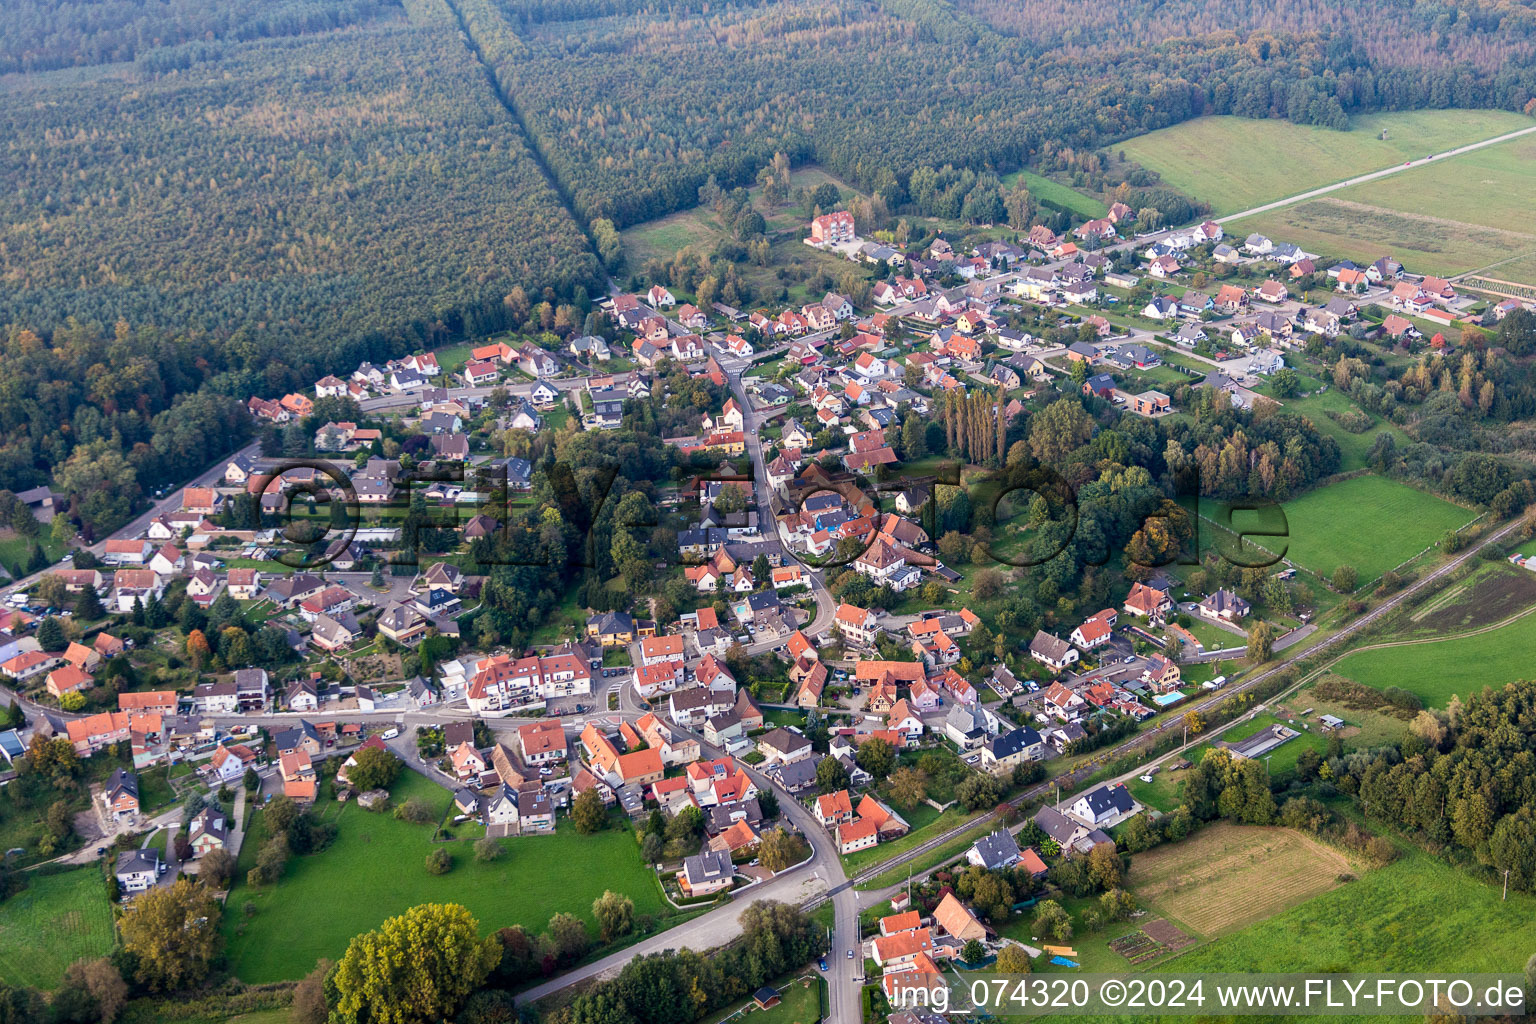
709, 872
1107, 805
1225, 605
954, 919
996, 851
207, 831
1007, 750
120, 795
1147, 601
1052, 650
138, 870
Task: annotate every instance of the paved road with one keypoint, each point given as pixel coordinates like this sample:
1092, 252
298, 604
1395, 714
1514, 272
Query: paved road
170, 503
809, 882
1068, 782
1372, 176
753, 421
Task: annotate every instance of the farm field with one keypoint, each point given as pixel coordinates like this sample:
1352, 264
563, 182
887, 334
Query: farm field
1325, 525
1282, 159
1495, 592
1436, 669
69, 909
1447, 217
1226, 877
375, 870
1415, 911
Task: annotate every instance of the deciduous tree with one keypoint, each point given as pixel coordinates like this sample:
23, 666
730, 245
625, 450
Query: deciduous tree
173, 934
417, 968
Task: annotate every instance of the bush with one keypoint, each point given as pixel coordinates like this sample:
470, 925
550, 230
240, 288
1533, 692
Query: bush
416, 811
439, 861
488, 849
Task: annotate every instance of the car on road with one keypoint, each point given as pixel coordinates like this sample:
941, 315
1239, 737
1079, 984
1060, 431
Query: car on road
822, 963
850, 954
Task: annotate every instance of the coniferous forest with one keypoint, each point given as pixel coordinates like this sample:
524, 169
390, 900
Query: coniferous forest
209, 201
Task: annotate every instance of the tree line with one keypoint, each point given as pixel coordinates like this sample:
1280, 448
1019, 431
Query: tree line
248, 225
38, 35
633, 113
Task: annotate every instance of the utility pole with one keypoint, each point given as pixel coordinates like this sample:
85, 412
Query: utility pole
1506, 885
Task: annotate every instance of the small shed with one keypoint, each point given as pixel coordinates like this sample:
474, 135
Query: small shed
766, 997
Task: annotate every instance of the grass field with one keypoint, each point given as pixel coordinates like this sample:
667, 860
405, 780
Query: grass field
799, 1003
54, 921
1447, 217
147, 1011
1227, 876
1278, 158
940, 855
1435, 670
1053, 192
375, 870
14, 548
1369, 522
1354, 449
1413, 914
1283, 761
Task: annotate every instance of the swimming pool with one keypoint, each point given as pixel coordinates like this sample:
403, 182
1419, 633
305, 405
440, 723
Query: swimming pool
1164, 700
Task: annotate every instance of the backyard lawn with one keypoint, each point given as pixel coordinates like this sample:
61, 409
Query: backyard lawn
862, 860
799, 1003
1368, 522
375, 870
54, 921
566, 621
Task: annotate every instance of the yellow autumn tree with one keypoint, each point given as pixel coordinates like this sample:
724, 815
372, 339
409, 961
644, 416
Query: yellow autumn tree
417, 968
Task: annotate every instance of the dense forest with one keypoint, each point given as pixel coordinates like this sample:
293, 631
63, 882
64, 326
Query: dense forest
634, 106
1484, 35
36, 35
283, 209
1461, 780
